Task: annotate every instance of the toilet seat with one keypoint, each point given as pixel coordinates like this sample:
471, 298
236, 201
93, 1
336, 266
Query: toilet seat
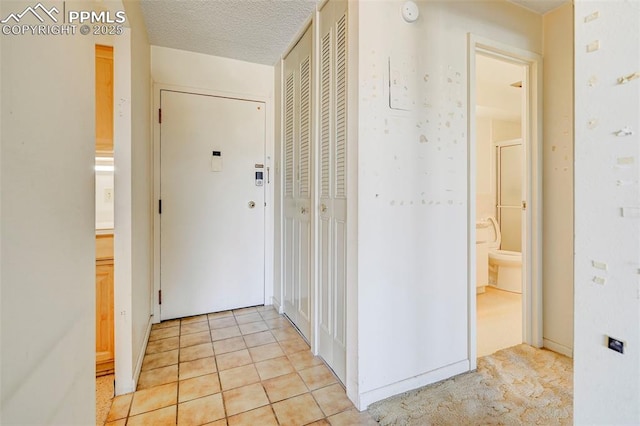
505, 256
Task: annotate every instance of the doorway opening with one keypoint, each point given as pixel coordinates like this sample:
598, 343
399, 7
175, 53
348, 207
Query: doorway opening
104, 210
499, 195
505, 179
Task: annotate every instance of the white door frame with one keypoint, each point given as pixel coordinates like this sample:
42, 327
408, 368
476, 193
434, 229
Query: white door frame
268, 183
126, 369
532, 140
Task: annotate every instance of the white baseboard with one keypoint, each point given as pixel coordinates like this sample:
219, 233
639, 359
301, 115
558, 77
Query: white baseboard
557, 347
276, 305
143, 350
369, 397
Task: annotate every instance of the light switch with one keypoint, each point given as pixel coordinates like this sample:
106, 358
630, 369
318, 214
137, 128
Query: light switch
216, 161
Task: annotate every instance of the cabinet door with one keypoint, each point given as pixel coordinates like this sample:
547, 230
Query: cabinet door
104, 98
104, 316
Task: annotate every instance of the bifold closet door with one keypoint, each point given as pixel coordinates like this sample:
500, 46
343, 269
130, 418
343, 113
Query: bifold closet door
332, 226
297, 157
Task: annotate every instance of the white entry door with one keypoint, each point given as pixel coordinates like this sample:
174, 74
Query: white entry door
332, 227
212, 210
297, 185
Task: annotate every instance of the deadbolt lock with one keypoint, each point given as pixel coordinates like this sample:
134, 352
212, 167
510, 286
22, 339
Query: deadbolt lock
252, 204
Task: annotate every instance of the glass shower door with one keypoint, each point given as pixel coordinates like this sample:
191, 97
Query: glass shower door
509, 194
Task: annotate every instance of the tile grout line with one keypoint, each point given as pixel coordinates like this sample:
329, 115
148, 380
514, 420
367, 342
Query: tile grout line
286, 355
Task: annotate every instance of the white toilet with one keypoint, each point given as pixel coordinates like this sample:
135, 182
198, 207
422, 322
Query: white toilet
505, 267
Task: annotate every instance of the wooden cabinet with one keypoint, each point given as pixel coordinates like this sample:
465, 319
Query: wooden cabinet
105, 344
104, 98
105, 347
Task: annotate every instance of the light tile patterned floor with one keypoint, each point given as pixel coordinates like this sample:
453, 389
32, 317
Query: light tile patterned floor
243, 367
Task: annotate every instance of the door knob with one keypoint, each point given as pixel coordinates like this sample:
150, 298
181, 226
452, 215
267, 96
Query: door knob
303, 210
323, 208
252, 204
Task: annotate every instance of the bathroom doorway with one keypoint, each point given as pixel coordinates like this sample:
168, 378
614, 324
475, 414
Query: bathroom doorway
504, 279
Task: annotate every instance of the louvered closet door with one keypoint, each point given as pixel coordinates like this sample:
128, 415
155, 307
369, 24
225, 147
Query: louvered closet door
332, 225
297, 184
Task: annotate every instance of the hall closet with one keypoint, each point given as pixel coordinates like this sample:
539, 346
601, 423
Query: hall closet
314, 184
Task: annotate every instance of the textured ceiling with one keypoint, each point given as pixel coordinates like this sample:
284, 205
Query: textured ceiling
249, 30
540, 6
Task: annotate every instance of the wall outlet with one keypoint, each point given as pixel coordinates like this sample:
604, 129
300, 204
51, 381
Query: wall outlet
108, 195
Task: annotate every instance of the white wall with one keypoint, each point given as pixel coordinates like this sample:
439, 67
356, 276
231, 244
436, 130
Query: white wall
557, 251
607, 202
412, 197
502, 130
133, 243
196, 70
47, 236
141, 185
225, 77
485, 186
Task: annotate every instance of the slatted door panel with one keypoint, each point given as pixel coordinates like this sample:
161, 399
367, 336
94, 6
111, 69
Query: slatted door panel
289, 202
332, 165
325, 231
340, 199
297, 175
303, 201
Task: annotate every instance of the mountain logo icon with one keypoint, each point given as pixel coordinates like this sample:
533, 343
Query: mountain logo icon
39, 11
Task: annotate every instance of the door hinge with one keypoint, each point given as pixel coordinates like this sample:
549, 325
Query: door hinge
159, 297
524, 205
160, 115
159, 206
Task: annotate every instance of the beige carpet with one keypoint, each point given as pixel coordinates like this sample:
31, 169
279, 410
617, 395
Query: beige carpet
515, 386
104, 395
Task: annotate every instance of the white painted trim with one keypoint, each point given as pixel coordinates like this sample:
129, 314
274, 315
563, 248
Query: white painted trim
353, 379
321, 4
532, 134
277, 306
296, 39
155, 134
122, 255
510, 142
315, 187
269, 213
138, 368
446, 372
557, 347
279, 244
472, 338
269, 187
